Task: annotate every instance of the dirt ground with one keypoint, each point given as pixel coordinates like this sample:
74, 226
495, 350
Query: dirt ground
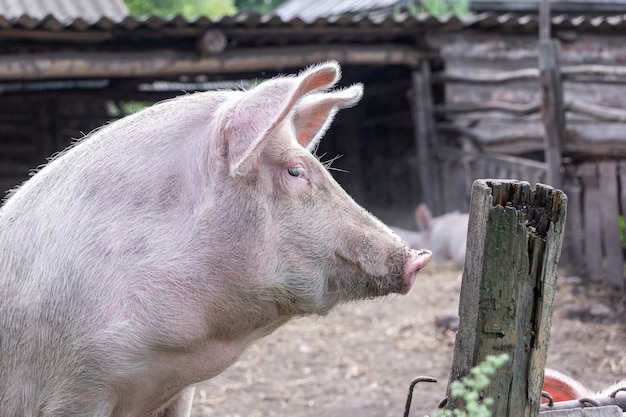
359, 361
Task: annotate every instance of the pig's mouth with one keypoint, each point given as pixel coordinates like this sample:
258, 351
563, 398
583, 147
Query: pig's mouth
400, 278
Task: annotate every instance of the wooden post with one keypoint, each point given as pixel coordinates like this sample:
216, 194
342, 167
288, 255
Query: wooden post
515, 237
552, 108
423, 119
544, 20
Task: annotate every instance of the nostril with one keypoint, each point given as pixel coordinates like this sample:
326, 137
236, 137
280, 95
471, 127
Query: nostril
416, 261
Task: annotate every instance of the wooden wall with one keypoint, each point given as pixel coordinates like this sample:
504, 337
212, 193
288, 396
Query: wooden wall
35, 126
375, 139
494, 122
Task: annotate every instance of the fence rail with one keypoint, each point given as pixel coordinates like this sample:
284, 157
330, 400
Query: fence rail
603, 113
569, 73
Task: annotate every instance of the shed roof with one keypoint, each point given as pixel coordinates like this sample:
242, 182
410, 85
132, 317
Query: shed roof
308, 10
64, 10
311, 10
272, 24
36, 48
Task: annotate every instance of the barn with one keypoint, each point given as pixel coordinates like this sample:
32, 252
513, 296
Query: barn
448, 99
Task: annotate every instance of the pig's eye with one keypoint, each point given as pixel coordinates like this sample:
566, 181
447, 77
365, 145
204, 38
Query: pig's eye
295, 171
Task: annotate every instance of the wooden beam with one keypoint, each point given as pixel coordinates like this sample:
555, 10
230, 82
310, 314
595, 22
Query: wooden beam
261, 34
611, 114
500, 77
168, 62
609, 214
591, 73
553, 111
544, 20
592, 197
425, 134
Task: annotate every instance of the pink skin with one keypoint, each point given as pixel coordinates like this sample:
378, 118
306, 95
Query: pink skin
413, 265
150, 255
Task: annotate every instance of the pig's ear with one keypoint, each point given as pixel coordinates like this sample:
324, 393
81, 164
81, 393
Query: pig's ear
315, 112
423, 218
250, 120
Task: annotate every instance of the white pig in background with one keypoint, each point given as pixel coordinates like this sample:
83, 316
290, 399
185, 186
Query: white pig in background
445, 236
148, 256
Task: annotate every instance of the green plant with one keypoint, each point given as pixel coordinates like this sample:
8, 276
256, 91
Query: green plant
186, 8
437, 8
469, 389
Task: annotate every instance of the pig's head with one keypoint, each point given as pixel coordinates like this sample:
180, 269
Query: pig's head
288, 227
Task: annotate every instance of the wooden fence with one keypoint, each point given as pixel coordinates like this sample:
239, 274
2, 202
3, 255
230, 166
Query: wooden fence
592, 175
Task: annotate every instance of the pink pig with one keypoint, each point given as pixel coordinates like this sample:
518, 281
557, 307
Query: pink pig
150, 255
445, 235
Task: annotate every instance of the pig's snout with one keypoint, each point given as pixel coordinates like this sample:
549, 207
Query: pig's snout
417, 260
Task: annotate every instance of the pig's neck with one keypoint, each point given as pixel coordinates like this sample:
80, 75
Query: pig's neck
248, 315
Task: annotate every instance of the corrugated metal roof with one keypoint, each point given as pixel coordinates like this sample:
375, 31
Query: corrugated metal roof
559, 6
311, 10
376, 21
64, 11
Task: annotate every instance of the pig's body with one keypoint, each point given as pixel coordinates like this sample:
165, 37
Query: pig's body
150, 255
445, 235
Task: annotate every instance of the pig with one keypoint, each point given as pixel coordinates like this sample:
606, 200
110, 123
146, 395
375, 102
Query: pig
562, 387
149, 255
445, 235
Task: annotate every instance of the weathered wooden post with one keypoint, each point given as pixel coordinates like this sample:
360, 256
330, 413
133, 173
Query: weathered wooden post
425, 132
514, 242
552, 107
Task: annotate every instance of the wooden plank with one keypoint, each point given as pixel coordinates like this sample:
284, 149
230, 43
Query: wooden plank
609, 205
514, 242
552, 108
568, 73
168, 62
425, 135
450, 179
591, 220
499, 77
622, 191
574, 245
545, 22
604, 113
461, 189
